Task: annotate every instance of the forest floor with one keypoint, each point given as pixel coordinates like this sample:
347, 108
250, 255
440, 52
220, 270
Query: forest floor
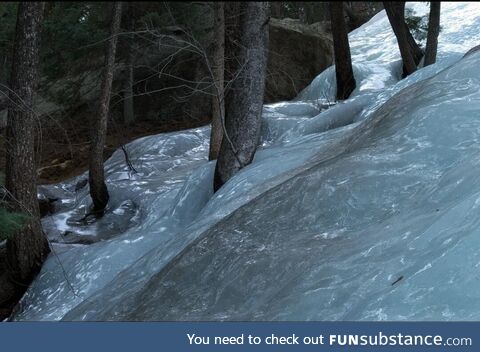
64, 146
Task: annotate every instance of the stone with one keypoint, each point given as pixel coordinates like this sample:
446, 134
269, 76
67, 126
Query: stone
297, 54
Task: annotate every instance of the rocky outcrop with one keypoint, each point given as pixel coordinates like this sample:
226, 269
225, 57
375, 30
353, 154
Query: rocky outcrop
297, 54
356, 12
360, 12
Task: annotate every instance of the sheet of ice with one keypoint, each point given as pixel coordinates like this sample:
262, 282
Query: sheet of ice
328, 243
335, 202
375, 55
168, 194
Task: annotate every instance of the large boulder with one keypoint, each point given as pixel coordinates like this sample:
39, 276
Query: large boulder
297, 54
360, 12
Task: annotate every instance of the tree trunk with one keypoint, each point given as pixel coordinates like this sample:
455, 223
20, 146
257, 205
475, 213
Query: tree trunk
415, 49
96, 178
343, 60
28, 247
245, 99
433, 32
232, 48
218, 62
128, 105
396, 15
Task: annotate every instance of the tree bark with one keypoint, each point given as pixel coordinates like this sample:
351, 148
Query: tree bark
245, 98
96, 178
415, 49
128, 104
433, 32
28, 247
343, 60
396, 15
218, 62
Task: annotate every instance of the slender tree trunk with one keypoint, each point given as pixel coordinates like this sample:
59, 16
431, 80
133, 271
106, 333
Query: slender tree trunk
433, 32
245, 99
98, 188
27, 248
396, 15
128, 104
415, 49
218, 105
232, 37
343, 60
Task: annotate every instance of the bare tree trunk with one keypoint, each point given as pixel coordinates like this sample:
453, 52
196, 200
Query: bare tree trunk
245, 99
27, 248
433, 32
218, 105
343, 60
96, 178
232, 33
396, 15
415, 49
128, 105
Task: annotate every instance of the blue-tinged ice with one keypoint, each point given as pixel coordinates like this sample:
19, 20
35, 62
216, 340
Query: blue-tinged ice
341, 201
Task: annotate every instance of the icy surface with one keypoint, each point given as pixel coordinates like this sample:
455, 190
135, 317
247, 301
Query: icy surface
338, 204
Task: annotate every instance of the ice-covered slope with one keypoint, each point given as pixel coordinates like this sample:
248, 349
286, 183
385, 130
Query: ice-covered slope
336, 207
375, 55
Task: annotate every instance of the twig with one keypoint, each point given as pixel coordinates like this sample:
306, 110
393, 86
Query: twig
127, 160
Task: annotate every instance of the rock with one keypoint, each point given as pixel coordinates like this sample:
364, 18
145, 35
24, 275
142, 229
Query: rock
360, 12
46, 205
81, 184
53, 169
297, 54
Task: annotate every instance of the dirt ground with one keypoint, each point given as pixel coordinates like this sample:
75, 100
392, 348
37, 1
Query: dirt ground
64, 146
